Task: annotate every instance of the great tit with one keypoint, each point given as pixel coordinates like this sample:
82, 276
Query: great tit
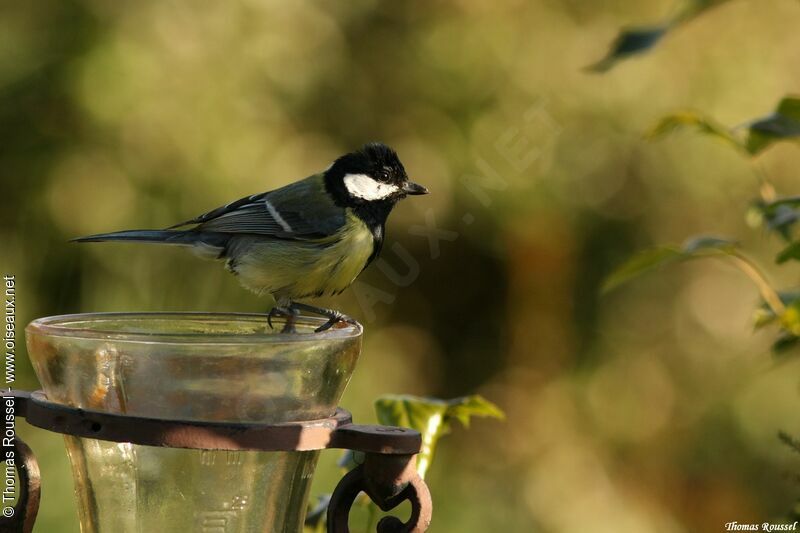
307, 239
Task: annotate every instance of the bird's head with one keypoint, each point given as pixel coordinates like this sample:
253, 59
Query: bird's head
373, 173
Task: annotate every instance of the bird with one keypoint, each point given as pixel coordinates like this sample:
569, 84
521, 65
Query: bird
308, 239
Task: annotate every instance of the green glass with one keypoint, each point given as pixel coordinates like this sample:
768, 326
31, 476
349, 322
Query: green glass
192, 366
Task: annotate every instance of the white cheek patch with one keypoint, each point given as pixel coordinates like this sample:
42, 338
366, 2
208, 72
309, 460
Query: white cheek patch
366, 188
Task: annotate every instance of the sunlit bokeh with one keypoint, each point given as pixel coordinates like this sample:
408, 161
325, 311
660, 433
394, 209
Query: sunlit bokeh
654, 408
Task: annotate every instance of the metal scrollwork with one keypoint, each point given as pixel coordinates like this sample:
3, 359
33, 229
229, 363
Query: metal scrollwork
21, 517
388, 480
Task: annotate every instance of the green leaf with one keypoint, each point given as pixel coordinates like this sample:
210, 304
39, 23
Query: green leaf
629, 42
691, 119
789, 201
790, 319
761, 133
789, 335
696, 7
783, 124
778, 220
640, 263
784, 343
410, 411
637, 40
764, 314
707, 244
787, 340
791, 252
656, 257
778, 215
463, 409
432, 417
789, 441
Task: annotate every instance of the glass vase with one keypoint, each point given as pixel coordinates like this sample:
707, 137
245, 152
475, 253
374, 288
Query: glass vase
190, 366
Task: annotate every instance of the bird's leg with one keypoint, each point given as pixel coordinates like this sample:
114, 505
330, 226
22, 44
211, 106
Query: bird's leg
291, 318
332, 315
274, 311
285, 311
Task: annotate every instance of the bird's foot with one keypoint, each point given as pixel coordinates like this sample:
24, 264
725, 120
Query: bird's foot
275, 311
333, 316
289, 313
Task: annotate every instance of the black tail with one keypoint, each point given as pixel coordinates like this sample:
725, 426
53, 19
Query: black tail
186, 238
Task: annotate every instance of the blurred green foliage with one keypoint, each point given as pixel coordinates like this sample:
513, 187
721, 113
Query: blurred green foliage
432, 417
633, 41
775, 214
651, 409
782, 125
661, 255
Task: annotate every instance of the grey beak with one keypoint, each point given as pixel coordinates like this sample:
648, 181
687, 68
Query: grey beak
410, 187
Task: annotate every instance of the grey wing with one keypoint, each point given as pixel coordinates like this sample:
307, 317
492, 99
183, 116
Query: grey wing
301, 210
219, 211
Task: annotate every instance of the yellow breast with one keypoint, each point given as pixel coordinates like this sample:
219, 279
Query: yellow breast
300, 269
342, 260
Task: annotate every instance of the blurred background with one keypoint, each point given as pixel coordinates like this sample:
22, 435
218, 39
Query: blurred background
654, 408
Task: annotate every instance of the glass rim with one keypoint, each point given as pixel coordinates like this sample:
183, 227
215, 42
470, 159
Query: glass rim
59, 326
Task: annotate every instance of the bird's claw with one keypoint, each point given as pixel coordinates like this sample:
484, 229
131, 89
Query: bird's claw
275, 311
334, 319
290, 315
294, 309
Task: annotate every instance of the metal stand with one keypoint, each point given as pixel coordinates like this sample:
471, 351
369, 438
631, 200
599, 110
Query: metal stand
388, 475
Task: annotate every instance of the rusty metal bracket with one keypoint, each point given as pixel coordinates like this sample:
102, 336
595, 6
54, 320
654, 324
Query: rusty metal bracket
23, 515
388, 480
387, 476
337, 431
